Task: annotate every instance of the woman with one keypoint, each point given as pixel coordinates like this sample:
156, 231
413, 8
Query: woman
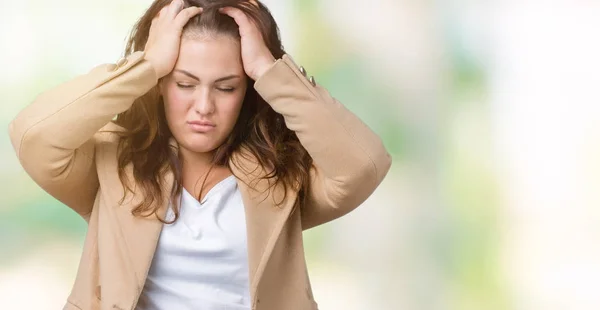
221, 153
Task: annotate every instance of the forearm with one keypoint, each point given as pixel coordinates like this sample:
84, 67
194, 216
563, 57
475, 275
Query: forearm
69, 115
337, 140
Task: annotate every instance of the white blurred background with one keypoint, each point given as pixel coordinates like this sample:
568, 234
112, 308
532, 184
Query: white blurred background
490, 110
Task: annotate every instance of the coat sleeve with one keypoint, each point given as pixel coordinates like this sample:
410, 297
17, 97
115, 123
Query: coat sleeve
53, 136
349, 159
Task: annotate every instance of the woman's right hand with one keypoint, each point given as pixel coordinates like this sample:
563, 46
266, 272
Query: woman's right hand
162, 47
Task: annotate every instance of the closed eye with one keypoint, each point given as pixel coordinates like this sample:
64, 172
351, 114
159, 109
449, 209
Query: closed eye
185, 86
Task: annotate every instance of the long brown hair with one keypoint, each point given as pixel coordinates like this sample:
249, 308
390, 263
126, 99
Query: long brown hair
145, 142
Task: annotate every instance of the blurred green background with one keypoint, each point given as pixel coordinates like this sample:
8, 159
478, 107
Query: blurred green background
489, 109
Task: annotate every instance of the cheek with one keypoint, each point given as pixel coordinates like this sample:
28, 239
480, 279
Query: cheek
176, 102
231, 108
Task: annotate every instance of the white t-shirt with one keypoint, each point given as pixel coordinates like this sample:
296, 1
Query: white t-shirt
201, 261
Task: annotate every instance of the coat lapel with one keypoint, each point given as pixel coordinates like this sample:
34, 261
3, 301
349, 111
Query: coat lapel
141, 233
264, 220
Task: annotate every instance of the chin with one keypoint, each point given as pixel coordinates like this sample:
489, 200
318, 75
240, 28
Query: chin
201, 144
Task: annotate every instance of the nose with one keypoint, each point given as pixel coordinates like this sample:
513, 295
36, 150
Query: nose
204, 103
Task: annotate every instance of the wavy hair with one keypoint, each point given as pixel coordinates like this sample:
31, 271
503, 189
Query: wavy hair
144, 145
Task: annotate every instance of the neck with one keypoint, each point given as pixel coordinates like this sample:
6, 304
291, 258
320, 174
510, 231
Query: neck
195, 169
195, 162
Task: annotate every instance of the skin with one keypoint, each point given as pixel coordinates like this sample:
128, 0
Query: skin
204, 100
208, 84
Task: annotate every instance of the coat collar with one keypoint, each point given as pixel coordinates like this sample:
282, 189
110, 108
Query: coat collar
265, 219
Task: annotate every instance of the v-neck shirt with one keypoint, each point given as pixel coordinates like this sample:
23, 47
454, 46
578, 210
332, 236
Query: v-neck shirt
201, 260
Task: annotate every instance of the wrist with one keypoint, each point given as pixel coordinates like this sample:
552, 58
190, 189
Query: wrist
263, 67
159, 73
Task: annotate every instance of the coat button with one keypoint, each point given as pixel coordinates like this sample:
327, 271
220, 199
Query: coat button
303, 71
312, 81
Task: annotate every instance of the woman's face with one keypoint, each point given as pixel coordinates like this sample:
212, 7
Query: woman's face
203, 95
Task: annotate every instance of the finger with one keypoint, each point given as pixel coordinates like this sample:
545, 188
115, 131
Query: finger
174, 8
153, 25
240, 17
185, 15
164, 11
161, 14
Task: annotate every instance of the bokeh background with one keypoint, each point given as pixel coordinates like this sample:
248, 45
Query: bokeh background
490, 109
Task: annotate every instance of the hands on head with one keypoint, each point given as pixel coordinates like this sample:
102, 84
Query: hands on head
164, 39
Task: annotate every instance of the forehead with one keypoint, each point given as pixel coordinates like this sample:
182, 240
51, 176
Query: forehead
210, 57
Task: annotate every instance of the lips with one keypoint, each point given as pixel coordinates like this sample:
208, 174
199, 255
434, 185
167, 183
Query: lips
201, 126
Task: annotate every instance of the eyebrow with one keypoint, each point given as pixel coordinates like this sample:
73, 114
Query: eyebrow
225, 78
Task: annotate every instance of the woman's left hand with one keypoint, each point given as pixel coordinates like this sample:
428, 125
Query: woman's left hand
256, 57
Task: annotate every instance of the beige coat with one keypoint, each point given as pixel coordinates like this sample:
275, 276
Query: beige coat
60, 142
